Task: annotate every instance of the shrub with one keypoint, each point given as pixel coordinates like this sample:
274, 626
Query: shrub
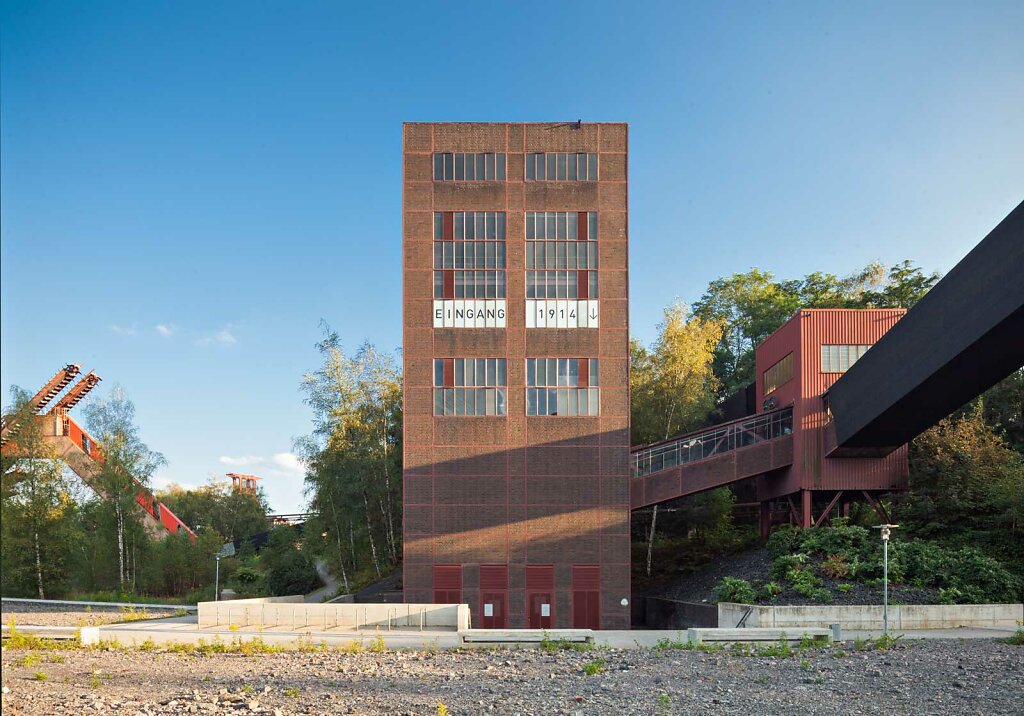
836, 566
769, 591
731, 589
806, 583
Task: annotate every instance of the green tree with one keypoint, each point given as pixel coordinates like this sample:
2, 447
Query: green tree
37, 508
234, 514
967, 486
673, 385
289, 568
353, 458
752, 305
127, 468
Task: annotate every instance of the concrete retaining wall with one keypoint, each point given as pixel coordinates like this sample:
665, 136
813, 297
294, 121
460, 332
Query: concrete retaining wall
671, 614
869, 617
293, 613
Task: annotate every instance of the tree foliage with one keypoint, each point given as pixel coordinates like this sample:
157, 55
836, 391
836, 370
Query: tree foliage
353, 459
967, 484
754, 304
233, 514
672, 385
36, 525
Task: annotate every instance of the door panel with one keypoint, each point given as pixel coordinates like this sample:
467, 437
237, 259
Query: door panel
586, 610
497, 617
540, 609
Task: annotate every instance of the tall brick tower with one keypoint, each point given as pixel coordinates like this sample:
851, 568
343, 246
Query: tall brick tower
516, 365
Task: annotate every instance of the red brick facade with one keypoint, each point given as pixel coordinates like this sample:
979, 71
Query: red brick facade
526, 519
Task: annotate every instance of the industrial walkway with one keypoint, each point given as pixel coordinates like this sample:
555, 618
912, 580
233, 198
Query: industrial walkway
711, 458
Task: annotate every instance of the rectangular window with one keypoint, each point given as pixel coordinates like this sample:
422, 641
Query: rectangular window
561, 166
561, 226
461, 166
778, 374
839, 358
562, 386
469, 254
571, 285
469, 386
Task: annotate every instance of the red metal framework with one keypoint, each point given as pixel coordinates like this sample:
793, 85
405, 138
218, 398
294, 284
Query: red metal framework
83, 453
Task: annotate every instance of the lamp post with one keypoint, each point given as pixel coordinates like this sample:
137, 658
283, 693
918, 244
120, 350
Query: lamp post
885, 529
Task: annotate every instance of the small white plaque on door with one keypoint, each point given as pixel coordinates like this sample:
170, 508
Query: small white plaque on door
488, 610
545, 610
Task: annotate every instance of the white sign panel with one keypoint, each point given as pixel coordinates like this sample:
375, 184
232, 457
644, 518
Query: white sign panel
488, 610
545, 610
561, 314
469, 314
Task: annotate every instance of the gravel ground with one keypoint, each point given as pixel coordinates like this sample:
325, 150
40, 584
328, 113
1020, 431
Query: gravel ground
54, 615
756, 566
924, 677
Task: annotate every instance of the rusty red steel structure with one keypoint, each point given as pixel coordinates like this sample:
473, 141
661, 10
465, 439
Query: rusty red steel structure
77, 448
784, 445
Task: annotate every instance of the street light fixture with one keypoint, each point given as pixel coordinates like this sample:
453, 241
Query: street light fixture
885, 529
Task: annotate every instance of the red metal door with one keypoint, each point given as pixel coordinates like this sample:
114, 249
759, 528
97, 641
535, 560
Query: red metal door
493, 595
492, 609
586, 597
586, 610
540, 610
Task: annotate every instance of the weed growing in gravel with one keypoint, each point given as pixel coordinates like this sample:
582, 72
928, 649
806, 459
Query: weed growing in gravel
30, 659
247, 689
148, 645
442, 710
838, 654
805, 664
305, 645
181, 612
94, 679
664, 704
292, 692
593, 668
549, 644
355, 646
131, 614
377, 645
764, 680
40, 676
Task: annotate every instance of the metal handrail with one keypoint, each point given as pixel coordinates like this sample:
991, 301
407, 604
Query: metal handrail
713, 441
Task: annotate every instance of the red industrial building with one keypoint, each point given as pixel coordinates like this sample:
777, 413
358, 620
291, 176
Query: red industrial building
516, 375
785, 443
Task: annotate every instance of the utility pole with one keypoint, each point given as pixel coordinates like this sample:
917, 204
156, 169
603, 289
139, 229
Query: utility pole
885, 529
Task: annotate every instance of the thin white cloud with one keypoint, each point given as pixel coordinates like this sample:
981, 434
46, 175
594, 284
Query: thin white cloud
122, 330
240, 461
288, 461
166, 330
281, 464
223, 337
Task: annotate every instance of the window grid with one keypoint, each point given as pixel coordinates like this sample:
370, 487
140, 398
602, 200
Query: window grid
577, 285
470, 386
466, 245
561, 255
469, 166
839, 358
562, 387
561, 225
561, 166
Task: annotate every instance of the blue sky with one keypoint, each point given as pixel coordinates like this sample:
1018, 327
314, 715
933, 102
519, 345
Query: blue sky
188, 188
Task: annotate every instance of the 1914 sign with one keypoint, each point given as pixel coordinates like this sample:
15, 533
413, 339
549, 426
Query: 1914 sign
469, 314
561, 314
